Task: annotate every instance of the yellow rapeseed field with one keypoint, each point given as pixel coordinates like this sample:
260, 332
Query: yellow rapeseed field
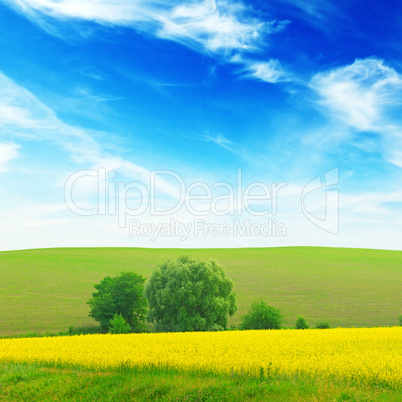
364, 354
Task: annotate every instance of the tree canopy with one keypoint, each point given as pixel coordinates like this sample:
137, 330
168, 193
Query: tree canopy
122, 294
262, 316
190, 295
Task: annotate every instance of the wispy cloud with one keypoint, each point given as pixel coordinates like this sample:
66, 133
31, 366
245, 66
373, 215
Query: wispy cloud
53, 225
86, 93
365, 96
317, 8
221, 141
22, 115
269, 71
360, 93
215, 25
8, 152
250, 156
320, 13
219, 28
373, 204
123, 12
95, 75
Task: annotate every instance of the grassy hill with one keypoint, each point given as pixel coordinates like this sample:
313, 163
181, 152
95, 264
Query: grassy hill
47, 289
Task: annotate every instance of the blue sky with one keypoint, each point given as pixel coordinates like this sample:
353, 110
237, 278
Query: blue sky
282, 91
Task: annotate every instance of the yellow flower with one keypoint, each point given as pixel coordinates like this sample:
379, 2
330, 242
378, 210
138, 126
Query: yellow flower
362, 354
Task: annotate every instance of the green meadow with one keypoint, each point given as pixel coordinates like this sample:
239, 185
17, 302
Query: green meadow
46, 290
50, 382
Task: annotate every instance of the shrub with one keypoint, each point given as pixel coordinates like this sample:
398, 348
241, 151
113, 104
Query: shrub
400, 320
301, 323
217, 327
118, 325
262, 316
190, 295
123, 294
322, 325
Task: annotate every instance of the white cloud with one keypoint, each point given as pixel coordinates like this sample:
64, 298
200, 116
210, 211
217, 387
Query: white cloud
317, 8
215, 25
269, 71
120, 12
322, 14
365, 96
375, 204
8, 152
359, 93
29, 223
87, 94
221, 28
12, 97
221, 141
22, 115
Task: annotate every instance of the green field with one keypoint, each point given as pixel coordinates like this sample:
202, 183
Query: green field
46, 289
46, 382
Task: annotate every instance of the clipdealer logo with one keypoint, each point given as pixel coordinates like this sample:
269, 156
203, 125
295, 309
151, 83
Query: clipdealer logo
164, 194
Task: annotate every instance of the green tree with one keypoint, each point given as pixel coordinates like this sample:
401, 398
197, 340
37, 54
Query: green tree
262, 316
301, 323
190, 295
122, 294
118, 325
322, 325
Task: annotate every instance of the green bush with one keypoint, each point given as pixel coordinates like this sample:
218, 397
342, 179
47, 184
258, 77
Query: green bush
322, 325
301, 323
216, 327
118, 325
400, 320
190, 295
122, 294
262, 316
88, 330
